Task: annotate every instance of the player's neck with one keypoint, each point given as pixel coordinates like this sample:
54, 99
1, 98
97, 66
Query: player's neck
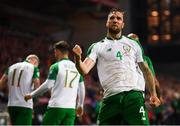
114, 36
62, 57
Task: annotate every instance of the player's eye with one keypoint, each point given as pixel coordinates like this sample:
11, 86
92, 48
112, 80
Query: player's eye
111, 18
119, 18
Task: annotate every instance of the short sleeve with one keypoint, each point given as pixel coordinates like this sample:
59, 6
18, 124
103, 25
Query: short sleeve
150, 64
81, 79
93, 52
36, 72
53, 71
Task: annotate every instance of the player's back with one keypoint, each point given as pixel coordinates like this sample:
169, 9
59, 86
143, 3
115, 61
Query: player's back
64, 92
20, 83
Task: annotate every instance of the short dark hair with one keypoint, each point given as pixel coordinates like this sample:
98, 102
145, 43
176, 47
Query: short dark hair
116, 10
63, 46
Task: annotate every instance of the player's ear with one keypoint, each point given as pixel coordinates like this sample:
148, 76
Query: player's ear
106, 24
36, 63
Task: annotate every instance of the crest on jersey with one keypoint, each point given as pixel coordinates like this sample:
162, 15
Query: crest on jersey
126, 48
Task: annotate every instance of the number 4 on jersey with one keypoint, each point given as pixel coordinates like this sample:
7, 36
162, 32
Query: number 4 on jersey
118, 55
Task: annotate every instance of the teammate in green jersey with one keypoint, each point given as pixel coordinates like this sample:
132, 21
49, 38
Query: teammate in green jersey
65, 84
150, 64
116, 56
21, 78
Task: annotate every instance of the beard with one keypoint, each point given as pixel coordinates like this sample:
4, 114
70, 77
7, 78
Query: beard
114, 31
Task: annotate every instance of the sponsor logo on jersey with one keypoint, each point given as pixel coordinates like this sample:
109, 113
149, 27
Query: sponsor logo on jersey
108, 50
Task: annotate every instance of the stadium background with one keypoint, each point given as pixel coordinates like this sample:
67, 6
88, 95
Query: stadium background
32, 26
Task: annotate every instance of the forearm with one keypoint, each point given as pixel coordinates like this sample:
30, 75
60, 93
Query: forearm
1, 84
85, 66
157, 88
150, 81
43, 88
36, 82
81, 94
3, 81
79, 64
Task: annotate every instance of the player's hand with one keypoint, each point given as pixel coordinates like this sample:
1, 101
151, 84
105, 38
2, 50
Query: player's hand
77, 50
27, 97
154, 101
79, 111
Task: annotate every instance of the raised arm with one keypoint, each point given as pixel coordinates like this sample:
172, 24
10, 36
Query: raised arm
150, 81
83, 66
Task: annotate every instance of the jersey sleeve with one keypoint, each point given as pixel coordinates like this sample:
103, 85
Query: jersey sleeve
53, 71
149, 62
36, 72
81, 79
93, 52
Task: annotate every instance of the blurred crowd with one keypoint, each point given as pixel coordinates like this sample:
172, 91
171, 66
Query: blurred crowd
169, 111
14, 49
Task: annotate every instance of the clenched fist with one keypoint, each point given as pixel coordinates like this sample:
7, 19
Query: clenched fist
77, 50
154, 101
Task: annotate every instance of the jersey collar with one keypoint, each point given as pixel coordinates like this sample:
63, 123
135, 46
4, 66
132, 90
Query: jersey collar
26, 61
64, 59
109, 38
